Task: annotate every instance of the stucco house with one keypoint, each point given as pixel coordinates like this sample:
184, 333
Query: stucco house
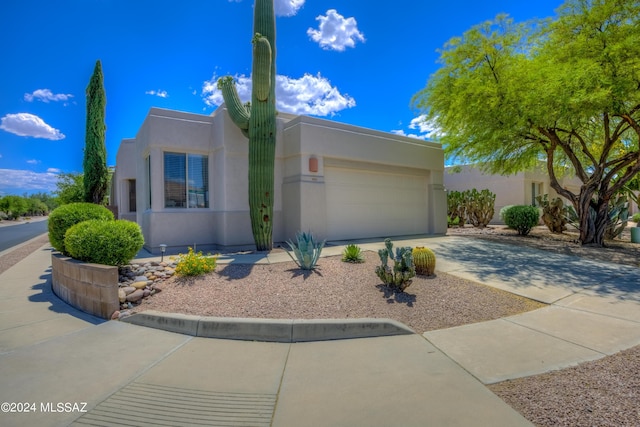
518, 189
183, 178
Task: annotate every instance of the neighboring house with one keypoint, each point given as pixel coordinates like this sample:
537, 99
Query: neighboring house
519, 189
183, 178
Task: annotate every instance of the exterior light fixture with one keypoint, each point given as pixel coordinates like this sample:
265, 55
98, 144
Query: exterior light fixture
313, 164
163, 249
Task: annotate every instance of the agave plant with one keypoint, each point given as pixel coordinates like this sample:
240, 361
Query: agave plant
307, 250
352, 253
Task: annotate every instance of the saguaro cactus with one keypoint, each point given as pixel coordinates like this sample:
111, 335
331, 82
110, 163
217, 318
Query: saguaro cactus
257, 121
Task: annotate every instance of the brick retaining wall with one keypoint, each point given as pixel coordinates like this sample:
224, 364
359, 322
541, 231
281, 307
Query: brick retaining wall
92, 288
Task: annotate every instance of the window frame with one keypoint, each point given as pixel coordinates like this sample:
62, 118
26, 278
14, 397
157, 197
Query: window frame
194, 196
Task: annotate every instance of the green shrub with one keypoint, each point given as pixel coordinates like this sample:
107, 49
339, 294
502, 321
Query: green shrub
403, 271
306, 250
195, 264
104, 242
352, 253
65, 216
636, 218
503, 210
522, 218
453, 223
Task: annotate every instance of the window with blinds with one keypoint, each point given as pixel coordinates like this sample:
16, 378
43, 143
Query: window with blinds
132, 195
186, 180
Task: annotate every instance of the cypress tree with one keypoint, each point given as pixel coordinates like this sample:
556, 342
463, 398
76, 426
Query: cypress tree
96, 173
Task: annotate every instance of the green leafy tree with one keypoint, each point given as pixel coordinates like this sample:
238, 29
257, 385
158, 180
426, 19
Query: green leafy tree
96, 174
14, 206
35, 206
46, 198
564, 91
70, 188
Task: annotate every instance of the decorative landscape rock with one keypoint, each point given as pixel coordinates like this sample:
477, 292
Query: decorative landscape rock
139, 281
141, 285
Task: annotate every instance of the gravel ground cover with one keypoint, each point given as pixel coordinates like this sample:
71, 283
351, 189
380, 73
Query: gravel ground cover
335, 289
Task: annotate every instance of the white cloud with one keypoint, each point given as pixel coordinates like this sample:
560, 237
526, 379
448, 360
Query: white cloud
410, 135
159, 93
25, 124
287, 7
45, 95
310, 95
336, 32
14, 181
33, 162
427, 130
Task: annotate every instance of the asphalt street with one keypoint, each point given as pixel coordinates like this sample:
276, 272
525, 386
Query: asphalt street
21, 232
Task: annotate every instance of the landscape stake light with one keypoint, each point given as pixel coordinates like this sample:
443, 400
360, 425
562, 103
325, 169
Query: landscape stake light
163, 249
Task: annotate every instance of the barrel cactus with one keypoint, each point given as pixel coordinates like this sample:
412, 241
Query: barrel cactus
257, 121
425, 261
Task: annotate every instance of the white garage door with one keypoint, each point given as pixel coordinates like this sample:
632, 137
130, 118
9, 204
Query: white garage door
363, 204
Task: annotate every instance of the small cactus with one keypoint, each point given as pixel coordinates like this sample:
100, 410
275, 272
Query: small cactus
425, 261
403, 269
554, 213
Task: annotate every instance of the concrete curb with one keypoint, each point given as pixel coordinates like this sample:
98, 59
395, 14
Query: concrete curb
269, 330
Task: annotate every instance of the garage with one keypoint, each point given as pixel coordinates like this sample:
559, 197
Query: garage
365, 203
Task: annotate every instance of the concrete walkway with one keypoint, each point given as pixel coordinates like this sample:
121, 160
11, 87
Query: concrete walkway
78, 370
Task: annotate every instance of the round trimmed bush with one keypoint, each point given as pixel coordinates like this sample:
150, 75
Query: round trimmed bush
104, 242
521, 218
65, 216
503, 210
636, 218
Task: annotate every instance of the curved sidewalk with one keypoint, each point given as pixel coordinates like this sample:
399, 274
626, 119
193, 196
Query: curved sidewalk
133, 375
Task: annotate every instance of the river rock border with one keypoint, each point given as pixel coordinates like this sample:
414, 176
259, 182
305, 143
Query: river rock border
139, 281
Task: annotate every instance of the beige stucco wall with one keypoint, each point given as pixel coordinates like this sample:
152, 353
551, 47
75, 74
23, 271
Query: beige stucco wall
300, 199
124, 171
348, 148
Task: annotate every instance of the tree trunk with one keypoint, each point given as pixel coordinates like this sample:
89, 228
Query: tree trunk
593, 217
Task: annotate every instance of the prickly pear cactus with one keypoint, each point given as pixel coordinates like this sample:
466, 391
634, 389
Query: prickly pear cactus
554, 213
456, 208
403, 269
479, 207
425, 261
257, 121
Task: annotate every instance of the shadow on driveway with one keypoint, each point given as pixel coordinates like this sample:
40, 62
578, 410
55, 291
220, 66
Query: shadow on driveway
47, 296
523, 267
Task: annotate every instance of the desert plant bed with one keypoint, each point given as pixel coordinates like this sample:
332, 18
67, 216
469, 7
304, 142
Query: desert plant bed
335, 289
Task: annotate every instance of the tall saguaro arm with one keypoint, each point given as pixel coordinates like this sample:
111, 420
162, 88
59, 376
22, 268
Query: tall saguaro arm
257, 121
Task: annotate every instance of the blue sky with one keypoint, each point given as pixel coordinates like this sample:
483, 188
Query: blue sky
352, 61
